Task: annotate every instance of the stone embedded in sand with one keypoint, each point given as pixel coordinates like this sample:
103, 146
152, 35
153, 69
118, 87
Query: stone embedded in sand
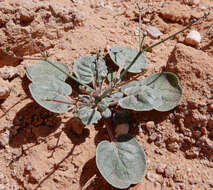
152, 137
122, 129
211, 184
179, 176
153, 177
4, 89
210, 107
4, 138
169, 172
8, 72
154, 32
175, 11
193, 38
192, 153
173, 146
150, 125
76, 126
161, 168
194, 2
202, 7
26, 15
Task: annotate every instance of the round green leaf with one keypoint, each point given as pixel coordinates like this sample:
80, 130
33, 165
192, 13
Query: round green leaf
121, 163
85, 69
168, 87
121, 55
88, 116
51, 93
45, 68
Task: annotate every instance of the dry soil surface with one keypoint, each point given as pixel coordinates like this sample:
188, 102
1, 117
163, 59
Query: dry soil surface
40, 150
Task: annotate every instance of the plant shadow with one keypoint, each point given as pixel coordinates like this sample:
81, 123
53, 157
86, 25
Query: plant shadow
31, 123
75, 138
25, 85
89, 172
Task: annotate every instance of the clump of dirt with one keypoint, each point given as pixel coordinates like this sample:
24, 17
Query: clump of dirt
40, 150
45, 21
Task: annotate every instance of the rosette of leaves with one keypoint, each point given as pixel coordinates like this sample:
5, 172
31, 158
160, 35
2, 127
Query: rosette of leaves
160, 91
90, 68
123, 57
122, 162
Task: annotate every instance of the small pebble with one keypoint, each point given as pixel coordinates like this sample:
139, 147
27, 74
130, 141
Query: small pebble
193, 38
173, 147
5, 138
179, 176
154, 32
194, 181
153, 177
194, 2
150, 126
158, 151
152, 137
161, 168
192, 153
211, 184
202, 7
169, 172
7, 72
210, 107
121, 129
2, 187
4, 89
29, 166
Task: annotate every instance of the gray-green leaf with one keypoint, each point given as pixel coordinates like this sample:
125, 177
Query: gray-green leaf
121, 55
88, 115
85, 69
44, 68
168, 86
121, 163
160, 91
51, 93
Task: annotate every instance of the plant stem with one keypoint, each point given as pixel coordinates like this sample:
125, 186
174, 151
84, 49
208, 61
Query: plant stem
69, 75
161, 41
140, 24
169, 37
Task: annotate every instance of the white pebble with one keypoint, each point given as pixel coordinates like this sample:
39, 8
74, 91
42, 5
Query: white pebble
154, 32
193, 38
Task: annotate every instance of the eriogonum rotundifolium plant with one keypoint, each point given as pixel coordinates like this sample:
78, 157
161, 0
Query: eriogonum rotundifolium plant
122, 161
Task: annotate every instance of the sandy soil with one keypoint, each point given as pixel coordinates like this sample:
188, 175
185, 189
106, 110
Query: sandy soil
40, 150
